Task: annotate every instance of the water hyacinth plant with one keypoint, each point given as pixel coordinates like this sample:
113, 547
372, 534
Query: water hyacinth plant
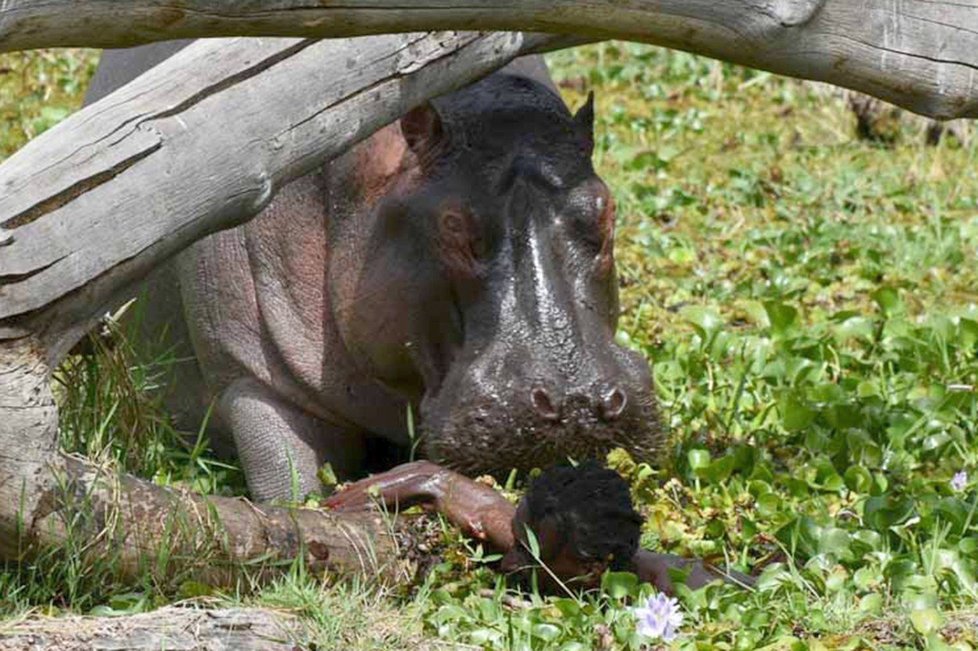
959, 481
659, 619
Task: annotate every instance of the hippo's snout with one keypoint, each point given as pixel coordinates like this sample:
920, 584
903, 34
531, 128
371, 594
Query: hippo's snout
608, 401
477, 425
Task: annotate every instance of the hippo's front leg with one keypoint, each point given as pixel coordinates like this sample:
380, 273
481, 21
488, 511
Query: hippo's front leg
279, 445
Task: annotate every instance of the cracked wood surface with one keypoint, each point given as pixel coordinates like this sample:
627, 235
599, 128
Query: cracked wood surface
177, 628
28, 436
919, 54
96, 202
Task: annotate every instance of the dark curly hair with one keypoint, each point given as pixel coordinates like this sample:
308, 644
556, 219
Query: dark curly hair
592, 508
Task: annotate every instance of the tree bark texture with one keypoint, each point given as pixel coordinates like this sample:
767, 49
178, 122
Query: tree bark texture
919, 54
52, 500
175, 628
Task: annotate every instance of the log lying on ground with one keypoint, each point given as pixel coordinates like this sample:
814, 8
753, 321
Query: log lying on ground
132, 528
173, 627
919, 54
197, 144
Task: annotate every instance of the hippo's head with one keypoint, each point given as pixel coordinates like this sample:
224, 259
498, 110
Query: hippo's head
491, 295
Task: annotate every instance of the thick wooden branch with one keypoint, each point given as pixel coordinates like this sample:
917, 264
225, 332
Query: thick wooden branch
919, 54
199, 143
172, 627
133, 528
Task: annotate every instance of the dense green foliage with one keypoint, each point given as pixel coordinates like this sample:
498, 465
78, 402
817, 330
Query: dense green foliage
807, 300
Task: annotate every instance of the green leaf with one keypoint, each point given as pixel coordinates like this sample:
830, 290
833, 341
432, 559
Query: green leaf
327, 475
858, 479
926, 620
704, 320
795, 415
532, 542
866, 578
545, 631
781, 316
935, 441
568, 607
871, 540
883, 512
757, 314
768, 504
619, 585
968, 333
834, 541
483, 636
698, 459
871, 604
836, 580
888, 299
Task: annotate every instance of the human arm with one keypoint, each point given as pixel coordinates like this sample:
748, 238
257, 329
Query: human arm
477, 509
654, 568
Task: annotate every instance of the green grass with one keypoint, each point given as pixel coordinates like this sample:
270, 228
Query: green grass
808, 302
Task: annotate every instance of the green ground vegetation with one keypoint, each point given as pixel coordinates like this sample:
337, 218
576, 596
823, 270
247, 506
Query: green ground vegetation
808, 303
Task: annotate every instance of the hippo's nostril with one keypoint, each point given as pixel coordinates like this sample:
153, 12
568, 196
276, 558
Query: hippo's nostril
613, 404
543, 404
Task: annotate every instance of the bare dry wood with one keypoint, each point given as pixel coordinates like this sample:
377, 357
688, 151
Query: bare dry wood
133, 528
919, 54
174, 627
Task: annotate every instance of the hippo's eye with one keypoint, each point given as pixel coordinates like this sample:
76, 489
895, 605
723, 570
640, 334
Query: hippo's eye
460, 245
606, 226
452, 222
593, 212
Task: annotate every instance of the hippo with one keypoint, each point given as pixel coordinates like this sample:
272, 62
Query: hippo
452, 275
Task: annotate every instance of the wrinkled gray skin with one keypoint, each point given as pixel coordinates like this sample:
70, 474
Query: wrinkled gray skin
459, 260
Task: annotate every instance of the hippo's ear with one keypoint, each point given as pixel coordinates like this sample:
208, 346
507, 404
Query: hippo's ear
585, 115
422, 128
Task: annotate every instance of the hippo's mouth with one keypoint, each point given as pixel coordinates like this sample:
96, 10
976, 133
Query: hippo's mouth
482, 440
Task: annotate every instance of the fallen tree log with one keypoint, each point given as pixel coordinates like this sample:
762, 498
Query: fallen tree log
133, 528
921, 55
174, 627
90, 206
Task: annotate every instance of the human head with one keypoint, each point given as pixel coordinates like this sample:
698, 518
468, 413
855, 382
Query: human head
584, 522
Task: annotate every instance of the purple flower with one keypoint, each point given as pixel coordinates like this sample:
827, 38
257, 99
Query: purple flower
658, 618
959, 481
